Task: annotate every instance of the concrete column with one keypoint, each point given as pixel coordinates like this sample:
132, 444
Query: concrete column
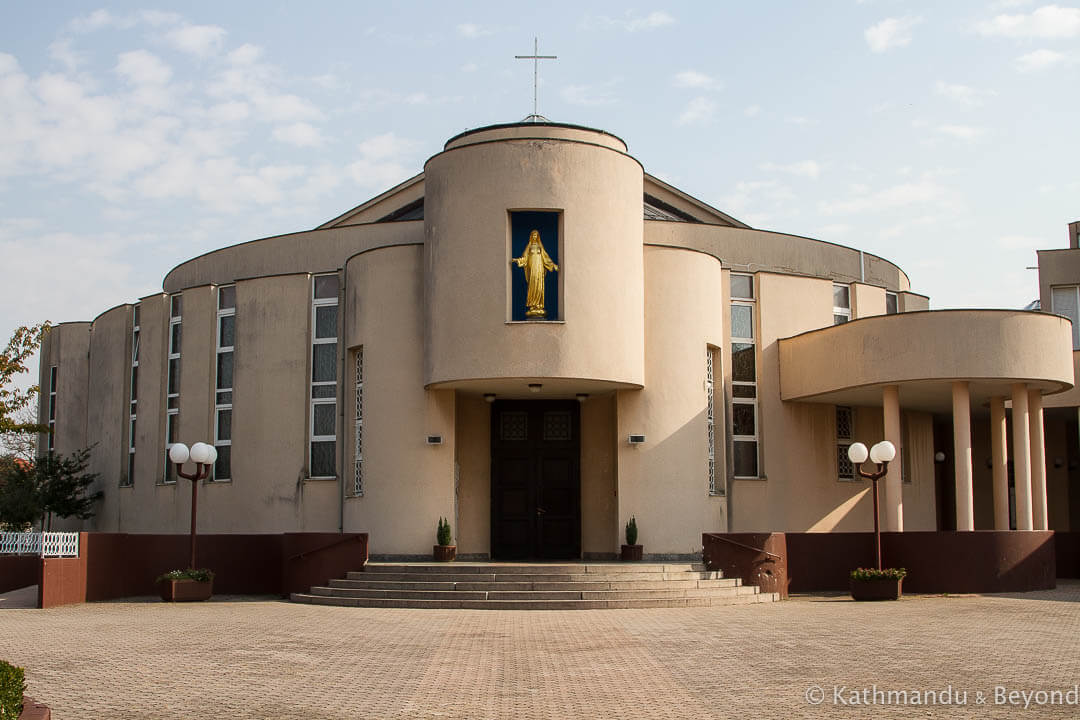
894, 483
1038, 461
999, 461
961, 414
1021, 456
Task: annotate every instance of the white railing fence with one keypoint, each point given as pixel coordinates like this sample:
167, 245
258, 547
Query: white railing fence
49, 544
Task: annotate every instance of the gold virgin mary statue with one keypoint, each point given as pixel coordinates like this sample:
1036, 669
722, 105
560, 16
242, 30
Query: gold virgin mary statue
537, 263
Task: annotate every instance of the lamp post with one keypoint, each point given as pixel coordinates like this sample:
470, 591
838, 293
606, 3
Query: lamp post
881, 454
204, 456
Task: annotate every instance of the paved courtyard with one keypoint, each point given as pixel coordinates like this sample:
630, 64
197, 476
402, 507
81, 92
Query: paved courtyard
265, 658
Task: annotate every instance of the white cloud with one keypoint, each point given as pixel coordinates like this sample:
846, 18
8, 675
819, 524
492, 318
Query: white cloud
1048, 21
140, 67
631, 21
470, 67
698, 111
655, 19
890, 33
967, 133
473, 31
382, 161
62, 52
904, 195
752, 110
805, 168
1042, 59
300, 134
387, 145
94, 21
589, 95
695, 79
198, 40
962, 94
797, 120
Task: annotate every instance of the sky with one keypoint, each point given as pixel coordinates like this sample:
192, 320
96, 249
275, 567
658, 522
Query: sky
133, 136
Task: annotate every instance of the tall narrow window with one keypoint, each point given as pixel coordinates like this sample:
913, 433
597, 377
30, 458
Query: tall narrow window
324, 333
845, 432
892, 306
744, 404
1064, 301
710, 420
133, 398
172, 404
358, 476
52, 407
223, 399
841, 312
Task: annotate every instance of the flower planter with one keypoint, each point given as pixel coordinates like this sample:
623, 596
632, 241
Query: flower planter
444, 553
876, 589
631, 553
185, 590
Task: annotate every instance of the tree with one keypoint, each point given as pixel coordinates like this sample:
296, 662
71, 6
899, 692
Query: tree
19, 502
64, 486
53, 485
23, 344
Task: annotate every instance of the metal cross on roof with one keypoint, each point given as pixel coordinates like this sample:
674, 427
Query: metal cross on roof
536, 57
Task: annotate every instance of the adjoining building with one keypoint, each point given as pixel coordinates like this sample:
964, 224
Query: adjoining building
537, 339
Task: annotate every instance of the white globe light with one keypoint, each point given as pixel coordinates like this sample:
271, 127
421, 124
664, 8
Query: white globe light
213, 455
883, 452
200, 453
857, 453
178, 453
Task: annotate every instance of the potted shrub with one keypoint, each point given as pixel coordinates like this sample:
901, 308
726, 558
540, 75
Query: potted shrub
631, 551
186, 585
444, 551
11, 691
872, 584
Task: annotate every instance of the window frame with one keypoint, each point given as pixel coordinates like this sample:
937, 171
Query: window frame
1075, 321
53, 373
133, 397
844, 442
840, 311
172, 399
316, 304
752, 402
219, 405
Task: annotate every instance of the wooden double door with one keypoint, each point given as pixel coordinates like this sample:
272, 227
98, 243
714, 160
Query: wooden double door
535, 480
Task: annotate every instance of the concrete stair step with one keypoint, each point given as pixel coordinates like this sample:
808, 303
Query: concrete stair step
535, 604
534, 577
531, 568
488, 586
530, 595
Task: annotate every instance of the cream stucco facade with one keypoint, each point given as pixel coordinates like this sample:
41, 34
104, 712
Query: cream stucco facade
375, 373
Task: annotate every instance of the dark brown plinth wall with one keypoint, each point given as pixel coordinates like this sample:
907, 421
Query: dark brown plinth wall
956, 562
114, 565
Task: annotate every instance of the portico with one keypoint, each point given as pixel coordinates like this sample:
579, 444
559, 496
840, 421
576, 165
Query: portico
958, 370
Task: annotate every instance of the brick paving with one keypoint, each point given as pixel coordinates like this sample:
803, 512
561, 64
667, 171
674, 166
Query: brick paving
264, 658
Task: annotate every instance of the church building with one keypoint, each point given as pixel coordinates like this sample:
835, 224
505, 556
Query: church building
537, 339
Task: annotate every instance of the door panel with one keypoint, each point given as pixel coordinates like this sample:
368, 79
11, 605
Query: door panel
535, 480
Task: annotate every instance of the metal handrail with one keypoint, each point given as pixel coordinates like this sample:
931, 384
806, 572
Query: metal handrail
743, 545
340, 541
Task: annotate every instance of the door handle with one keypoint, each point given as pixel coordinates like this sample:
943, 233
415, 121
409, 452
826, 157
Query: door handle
540, 511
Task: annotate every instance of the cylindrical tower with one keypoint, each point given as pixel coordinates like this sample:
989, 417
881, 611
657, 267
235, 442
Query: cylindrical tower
484, 195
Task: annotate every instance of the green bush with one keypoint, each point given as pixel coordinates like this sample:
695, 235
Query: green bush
11, 691
202, 575
875, 574
631, 531
442, 535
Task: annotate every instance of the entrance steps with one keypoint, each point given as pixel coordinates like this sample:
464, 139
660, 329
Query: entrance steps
534, 586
